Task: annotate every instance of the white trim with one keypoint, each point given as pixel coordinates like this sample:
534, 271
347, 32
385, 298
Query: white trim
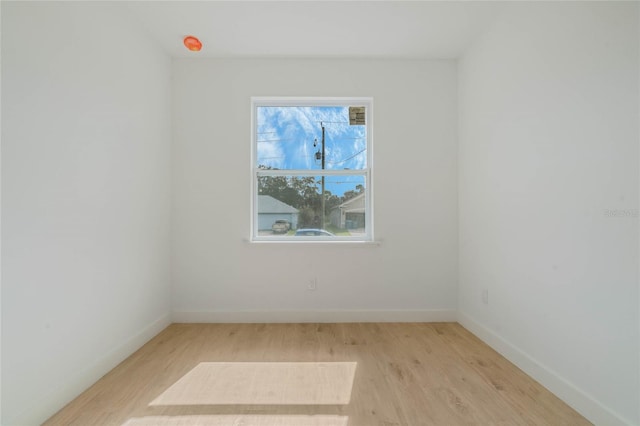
50, 401
366, 173
310, 101
320, 316
253, 203
583, 403
368, 199
312, 172
303, 241
312, 239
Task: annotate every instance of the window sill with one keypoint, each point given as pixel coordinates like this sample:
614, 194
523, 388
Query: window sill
375, 243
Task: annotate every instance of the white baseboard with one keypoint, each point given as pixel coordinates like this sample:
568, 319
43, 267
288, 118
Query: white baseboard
582, 402
324, 316
579, 400
54, 399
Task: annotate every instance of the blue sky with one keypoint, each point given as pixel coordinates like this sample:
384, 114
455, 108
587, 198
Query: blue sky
285, 137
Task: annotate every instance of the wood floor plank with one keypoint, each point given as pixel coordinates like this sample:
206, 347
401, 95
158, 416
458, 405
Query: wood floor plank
407, 375
530, 399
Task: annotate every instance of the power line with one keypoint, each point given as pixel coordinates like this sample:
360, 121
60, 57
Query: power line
284, 157
348, 158
295, 139
277, 140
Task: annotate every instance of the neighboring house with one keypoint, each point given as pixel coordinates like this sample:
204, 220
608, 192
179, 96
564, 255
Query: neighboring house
270, 210
349, 214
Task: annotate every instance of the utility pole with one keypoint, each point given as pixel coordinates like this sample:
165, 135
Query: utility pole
320, 156
322, 213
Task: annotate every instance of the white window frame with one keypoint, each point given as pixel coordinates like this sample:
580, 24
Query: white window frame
279, 101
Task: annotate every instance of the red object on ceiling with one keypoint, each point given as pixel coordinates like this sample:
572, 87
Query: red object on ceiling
192, 43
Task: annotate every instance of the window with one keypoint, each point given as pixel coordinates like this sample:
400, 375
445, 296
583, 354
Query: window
311, 169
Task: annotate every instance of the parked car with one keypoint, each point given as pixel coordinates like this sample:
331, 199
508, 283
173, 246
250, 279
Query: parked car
313, 232
281, 226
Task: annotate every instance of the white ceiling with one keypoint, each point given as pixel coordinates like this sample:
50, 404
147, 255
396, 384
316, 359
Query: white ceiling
354, 29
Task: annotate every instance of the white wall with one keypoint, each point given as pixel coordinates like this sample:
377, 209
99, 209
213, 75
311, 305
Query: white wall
549, 143
85, 199
218, 275
0, 229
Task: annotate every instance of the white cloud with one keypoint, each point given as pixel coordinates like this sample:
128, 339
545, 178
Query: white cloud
293, 130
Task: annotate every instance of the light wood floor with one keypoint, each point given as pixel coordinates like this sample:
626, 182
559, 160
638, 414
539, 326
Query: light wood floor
407, 374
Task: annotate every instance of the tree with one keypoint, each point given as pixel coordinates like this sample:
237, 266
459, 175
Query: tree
302, 192
352, 194
331, 202
306, 217
298, 192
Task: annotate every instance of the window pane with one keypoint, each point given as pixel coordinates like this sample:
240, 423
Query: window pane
290, 204
290, 138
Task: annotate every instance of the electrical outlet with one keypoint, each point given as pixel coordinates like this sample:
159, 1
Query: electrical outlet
312, 285
485, 296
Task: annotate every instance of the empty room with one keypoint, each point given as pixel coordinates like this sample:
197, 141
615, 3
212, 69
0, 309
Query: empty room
320, 213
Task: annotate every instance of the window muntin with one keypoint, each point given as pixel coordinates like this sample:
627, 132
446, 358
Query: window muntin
288, 171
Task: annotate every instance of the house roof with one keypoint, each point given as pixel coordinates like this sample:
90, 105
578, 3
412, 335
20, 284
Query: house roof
352, 205
268, 204
353, 200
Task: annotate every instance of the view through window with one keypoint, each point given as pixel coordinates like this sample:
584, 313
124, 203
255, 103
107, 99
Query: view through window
312, 169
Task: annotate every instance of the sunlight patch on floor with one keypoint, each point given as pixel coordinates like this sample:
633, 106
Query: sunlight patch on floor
263, 383
238, 420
